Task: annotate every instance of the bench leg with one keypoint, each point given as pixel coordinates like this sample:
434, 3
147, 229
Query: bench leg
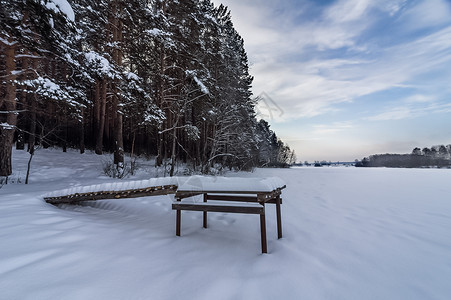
178, 221
205, 213
279, 218
263, 233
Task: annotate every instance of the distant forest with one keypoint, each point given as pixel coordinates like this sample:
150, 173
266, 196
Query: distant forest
436, 156
162, 78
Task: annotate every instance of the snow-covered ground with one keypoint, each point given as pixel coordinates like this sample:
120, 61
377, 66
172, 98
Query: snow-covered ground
349, 233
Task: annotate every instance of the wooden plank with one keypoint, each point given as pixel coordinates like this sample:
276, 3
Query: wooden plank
238, 198
183, 195
232, 198
268, 196
219, 208
104, 195
186, 194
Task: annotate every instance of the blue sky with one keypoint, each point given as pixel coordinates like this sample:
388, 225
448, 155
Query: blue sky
346, 79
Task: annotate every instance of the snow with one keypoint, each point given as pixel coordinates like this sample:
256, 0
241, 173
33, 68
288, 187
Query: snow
202, 87
348, 233
101, 63
131, 75
224, 184
6, 42
6, 126
60, 6
117, 186
192, 183
156, 32
49, 85
46, 87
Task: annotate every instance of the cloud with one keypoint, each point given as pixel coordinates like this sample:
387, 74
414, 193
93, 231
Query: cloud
310, 88
310, 65
347, 10
396, 113
327, 129
412, 110
427, 13
420, 99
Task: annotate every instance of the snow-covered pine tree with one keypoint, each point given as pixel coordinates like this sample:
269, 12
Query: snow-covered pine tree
180, 75
233, 143
34, 35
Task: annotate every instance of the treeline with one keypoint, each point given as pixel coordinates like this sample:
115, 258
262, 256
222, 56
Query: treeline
162, 77
436, 156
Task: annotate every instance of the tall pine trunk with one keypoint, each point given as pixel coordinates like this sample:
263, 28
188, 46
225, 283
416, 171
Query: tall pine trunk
101, 122
119, 151
8, 103
173, 157
32, 128
82, 131
31, 101
160, 97
20, 142
32, 104
116, 113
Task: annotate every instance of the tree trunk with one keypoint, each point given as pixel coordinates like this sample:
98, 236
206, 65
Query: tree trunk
9, 104
20, 142
82, 132
32, 104
117, 115
174, 144
65, 133
119, 151
97, 104
100, 129
160, 95
29, 165
32, 128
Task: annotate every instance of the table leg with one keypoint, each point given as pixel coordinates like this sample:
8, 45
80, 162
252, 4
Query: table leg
178, 221
205, 213
279, 218
263, 232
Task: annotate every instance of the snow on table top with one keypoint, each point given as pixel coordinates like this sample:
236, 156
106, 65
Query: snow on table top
227, 184
193, 183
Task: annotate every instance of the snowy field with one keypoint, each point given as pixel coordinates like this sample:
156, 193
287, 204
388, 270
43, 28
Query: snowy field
349, 233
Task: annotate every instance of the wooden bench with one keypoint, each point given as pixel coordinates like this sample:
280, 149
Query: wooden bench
236, 206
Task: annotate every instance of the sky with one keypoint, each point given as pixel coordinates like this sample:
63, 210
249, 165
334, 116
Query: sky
341, 80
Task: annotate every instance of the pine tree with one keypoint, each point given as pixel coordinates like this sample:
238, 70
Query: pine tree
33, 35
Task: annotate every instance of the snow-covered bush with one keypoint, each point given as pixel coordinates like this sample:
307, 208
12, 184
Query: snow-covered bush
112, 170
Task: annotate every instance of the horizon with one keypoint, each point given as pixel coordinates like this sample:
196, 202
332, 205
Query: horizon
348, 79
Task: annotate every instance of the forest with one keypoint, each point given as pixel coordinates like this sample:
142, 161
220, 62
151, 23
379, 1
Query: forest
161, 78
436, 156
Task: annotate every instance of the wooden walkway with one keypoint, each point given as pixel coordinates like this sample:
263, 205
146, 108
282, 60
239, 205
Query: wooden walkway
104, 195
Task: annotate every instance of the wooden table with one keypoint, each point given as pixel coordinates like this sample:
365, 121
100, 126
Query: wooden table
246, 200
